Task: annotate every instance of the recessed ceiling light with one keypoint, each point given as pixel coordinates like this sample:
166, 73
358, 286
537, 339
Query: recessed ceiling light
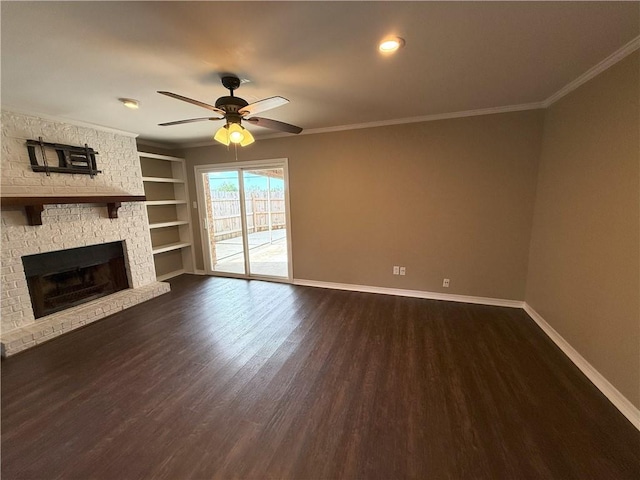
130, 103
391, 44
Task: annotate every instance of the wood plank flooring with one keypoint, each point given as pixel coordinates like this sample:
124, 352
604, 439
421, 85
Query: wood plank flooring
226, 378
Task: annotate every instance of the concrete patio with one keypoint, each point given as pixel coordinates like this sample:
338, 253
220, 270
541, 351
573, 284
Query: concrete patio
267, 254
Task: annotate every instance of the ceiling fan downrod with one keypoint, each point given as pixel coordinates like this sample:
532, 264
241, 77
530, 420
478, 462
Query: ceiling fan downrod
230, 103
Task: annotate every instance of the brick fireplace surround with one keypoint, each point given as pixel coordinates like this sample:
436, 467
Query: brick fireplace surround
69, 226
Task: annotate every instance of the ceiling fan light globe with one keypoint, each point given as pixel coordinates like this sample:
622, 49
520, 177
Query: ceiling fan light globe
222, 136
236, 137
248, 138
236, 133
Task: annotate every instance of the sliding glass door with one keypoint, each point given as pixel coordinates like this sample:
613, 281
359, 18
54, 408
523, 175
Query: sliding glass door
266, 221
244, 219
223, 221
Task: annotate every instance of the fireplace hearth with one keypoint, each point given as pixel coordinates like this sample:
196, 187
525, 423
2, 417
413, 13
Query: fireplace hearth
65, 278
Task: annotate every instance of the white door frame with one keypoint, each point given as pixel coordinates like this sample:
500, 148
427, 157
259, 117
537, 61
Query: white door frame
199, 170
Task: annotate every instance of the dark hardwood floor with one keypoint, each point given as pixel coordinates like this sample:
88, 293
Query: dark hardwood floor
225, 378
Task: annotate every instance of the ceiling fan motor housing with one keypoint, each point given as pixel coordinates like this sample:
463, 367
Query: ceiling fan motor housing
231, 105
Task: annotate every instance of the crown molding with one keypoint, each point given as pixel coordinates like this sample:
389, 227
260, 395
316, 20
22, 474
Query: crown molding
67, 121
611, 60
428, 118
387, 123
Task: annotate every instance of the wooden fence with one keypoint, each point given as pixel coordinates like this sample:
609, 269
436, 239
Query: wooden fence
224, 212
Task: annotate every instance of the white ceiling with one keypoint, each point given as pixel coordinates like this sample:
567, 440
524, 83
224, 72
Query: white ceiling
73, 60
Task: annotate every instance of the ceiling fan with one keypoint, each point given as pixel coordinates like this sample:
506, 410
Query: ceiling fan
234, 110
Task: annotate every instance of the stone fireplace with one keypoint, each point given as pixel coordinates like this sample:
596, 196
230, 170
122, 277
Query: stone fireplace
71, 227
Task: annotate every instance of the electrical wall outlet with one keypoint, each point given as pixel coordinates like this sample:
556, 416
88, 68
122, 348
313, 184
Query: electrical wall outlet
445, 283
396, 270
403, 271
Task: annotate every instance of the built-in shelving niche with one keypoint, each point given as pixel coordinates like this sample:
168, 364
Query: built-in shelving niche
167, 203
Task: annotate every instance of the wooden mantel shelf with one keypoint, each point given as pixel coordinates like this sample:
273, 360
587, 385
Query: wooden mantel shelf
33, 206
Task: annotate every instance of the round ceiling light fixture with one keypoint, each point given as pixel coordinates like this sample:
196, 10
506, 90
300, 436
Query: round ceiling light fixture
391, 44
130, 103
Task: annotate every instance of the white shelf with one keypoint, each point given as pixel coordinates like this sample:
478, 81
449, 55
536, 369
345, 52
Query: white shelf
165, 202
168, 224
162, 180
170, 246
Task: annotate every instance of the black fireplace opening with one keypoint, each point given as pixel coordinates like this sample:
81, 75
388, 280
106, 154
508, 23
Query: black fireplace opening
65, 278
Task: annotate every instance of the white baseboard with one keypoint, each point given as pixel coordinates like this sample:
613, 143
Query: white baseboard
169, 275
619, 401
498, 302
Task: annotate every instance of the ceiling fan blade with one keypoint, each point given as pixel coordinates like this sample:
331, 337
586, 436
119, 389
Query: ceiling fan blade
263, 105
190, 120
274, 124
192, 101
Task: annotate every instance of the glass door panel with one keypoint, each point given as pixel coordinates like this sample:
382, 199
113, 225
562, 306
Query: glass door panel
266, 222
224, 222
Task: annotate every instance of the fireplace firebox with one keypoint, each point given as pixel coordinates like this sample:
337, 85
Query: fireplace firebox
65, 278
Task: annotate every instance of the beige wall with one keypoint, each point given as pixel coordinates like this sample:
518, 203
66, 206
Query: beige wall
584, 262
451, 198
